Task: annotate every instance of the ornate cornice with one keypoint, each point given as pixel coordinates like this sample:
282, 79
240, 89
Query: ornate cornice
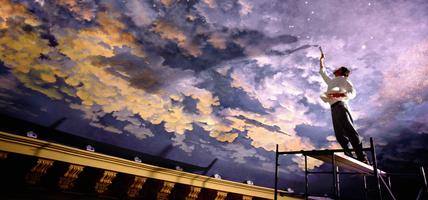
57, 152
3, 155
136, 186
193, 193
40, 169
165, 190
66, 182
106, 180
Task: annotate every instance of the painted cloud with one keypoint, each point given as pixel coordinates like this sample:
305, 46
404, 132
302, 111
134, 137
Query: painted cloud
227, 78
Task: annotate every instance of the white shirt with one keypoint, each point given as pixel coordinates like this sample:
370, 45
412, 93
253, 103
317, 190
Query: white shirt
339, 84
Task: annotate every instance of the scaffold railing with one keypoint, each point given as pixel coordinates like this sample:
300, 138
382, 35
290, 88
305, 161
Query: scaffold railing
339, 160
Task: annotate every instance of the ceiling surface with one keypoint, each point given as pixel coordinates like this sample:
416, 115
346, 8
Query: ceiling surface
195, 81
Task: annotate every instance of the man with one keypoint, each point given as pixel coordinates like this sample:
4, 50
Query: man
339, 91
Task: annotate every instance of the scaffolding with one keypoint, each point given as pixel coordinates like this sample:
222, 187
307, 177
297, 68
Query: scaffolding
338, 159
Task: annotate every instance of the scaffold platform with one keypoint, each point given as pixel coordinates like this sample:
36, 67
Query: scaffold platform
346, 164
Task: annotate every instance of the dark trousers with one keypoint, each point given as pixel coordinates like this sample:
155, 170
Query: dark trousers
344, 130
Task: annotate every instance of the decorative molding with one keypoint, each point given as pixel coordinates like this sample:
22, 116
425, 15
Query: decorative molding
13, 143
136, 186
66, 182
165, 190
106, 180
247, 198
221, 195
3, 155
40, 169
193, 193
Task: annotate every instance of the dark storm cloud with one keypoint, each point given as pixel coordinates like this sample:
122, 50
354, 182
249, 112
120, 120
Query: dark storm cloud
317, 134
190, 104
286, 52
65, 14
229, 96
135, 69
147, 74
257, 42
239, 43
259, 124
405, 151
210, 57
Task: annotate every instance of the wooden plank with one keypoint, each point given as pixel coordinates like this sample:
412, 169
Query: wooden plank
347, 162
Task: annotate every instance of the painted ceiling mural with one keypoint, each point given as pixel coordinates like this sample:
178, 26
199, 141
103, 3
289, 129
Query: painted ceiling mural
217, 79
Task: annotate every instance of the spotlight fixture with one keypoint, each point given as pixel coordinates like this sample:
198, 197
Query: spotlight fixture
217, 176
249, 182
31, 134
137, 159
90, 148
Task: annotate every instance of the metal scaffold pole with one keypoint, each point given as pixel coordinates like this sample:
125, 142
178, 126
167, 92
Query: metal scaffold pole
276, 173
306, 177
365, 188
424, 182
375, 169
335, 178
347, 165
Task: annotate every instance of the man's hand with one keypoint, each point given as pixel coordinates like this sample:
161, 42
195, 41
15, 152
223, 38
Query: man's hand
321, 59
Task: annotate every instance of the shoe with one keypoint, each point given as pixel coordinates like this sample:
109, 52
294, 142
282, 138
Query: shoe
349, 154
364, 160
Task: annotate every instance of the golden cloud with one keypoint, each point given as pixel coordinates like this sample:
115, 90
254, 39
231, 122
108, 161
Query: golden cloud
238, 82
9, 10
176, 120
205, 99
217, 40
224, 137
32, 83
169, 32
20, 52
311, 162
217, 128
91, 82
82, 11
167, 3
267, 139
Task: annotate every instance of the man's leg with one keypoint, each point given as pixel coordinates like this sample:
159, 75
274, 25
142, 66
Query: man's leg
339, 131
343, 141
354, 137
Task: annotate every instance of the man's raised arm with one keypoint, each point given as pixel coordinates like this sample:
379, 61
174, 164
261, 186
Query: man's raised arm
323, 72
